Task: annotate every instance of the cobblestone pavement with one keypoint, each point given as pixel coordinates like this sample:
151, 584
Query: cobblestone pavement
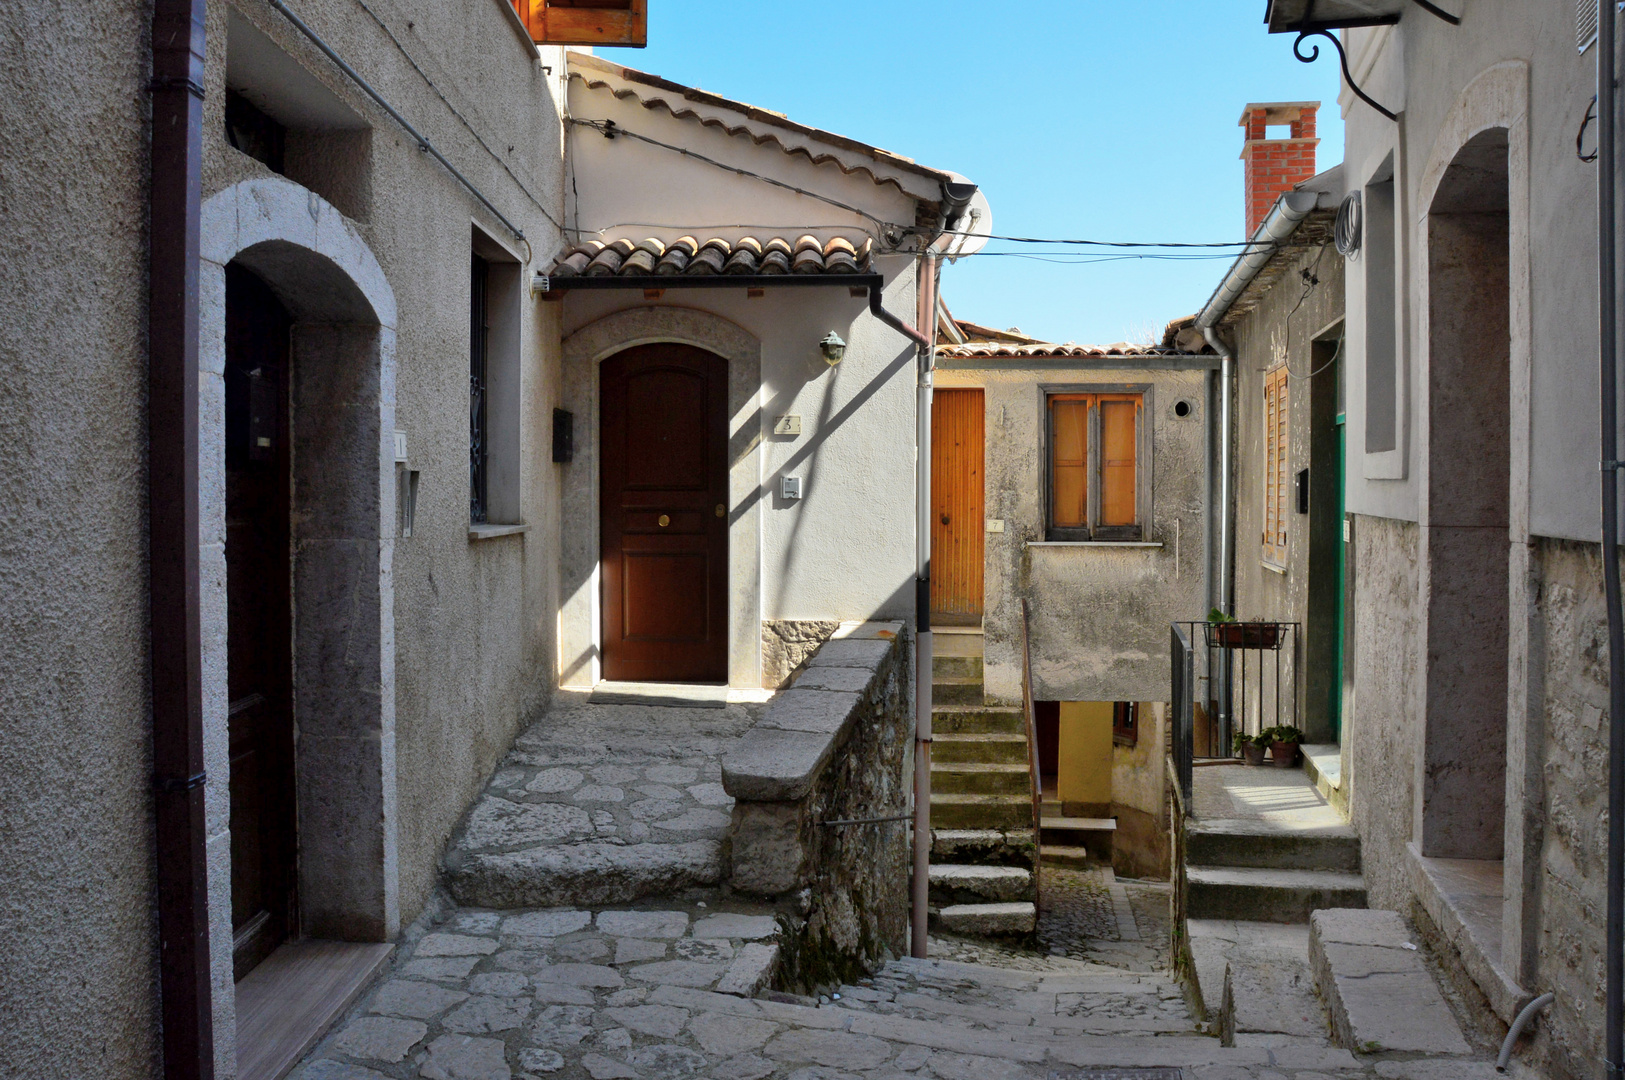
654, 992
601, 804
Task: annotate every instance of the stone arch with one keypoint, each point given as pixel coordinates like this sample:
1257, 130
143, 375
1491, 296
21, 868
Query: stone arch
343, 401
580, 625
1480, 152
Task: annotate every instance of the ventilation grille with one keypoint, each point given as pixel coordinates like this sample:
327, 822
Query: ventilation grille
1585, 24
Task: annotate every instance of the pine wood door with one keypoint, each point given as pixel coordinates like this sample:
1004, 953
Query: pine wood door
259, 642
958, 447
663, 513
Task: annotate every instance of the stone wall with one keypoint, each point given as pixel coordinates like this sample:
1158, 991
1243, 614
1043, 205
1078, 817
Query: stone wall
833, 747
786, 645
1379, 741
1568, 662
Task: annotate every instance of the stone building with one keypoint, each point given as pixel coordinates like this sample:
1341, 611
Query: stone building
1279, 312
1474, 730
395, 463
1070, 482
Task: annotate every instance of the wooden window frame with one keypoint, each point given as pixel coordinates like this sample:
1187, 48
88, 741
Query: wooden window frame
1091, 531
1125, 723
586, 22
1277, 417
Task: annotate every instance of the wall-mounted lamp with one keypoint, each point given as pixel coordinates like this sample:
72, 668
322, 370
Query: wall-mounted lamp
833, 348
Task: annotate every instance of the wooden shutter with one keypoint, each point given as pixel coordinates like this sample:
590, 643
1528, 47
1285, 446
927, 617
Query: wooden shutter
585, 22
1069, 461
1119, 448
1276, 465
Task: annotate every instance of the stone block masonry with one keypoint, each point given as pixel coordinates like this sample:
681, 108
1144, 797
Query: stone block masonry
831, 748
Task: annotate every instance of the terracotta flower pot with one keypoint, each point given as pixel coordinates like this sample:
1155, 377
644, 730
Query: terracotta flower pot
1252, 754
1244, 635
1283, 755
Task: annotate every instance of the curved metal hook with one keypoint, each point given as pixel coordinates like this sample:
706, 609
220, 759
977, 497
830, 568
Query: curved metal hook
1297, 51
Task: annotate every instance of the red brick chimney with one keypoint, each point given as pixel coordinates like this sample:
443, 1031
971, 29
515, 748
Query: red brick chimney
1276, 166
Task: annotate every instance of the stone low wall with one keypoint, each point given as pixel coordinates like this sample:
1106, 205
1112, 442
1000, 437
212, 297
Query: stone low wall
833, 747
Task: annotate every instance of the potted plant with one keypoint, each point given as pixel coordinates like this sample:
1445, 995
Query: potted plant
1226, 631
1250, 749
1283, 741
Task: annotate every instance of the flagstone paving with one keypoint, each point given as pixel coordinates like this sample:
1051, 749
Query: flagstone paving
681, 990
601, 804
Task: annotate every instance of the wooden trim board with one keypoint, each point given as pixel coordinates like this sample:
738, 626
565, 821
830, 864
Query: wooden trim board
289, 1001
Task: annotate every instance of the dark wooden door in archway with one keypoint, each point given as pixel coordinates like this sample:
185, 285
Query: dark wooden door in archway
259, 642
664, 514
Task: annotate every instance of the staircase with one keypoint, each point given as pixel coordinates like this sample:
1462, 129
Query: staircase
982, 854
1263, 851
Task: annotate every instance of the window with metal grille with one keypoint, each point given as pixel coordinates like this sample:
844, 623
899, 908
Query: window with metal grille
1094, 466
1277, 463
478, 443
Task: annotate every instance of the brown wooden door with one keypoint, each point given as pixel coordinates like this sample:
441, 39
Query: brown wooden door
258, 614
957, 507
664, 515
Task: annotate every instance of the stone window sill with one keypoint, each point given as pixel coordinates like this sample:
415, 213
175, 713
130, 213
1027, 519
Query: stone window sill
1095, 543
1275, 568
491, 532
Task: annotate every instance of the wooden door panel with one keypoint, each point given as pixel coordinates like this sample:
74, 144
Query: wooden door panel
259, 642
663, 514
957, 505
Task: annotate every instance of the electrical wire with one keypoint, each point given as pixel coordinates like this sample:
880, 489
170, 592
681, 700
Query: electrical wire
1115, 243
891, 233
471, 129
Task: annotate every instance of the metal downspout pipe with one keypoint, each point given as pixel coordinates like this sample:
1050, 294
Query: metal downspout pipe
1226, 522
923, 646
1607, 168
175, 204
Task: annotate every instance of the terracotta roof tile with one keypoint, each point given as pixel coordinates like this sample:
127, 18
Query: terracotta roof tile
999, 350
686, 255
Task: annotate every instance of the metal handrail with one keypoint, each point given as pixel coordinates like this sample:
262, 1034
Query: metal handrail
1034, 775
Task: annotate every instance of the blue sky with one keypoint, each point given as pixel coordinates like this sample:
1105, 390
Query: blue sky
1078, 118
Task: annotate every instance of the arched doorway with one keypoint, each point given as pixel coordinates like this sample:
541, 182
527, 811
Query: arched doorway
1467, 519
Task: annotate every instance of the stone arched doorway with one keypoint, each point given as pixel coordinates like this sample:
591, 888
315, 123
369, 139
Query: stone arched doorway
1469, 469
336, 413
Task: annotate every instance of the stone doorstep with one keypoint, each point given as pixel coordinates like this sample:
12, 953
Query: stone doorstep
592, 874
988, 920
997, 883
1377, 990
1217, 892
1477, 944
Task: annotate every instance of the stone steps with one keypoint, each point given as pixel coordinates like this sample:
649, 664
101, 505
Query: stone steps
955, 666
1378, 993
980, 778
983, 847
1091, 834
1064, 857
957, 811
977, 719
1251, 844
967, 883
999, 747
1011, 919
1268, 895
956, 690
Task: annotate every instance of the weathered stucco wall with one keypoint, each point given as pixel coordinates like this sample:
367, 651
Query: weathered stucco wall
1100, 613
1283, 329
472, 622
77, 926
1139, 799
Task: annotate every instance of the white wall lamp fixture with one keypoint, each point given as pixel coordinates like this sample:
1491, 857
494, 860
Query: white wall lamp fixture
833, 348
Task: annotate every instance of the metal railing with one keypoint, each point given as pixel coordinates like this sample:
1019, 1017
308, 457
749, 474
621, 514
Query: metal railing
1030, 716
1227, 677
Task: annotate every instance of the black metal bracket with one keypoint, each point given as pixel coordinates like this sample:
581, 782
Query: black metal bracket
1433, 9
171, 785
1297, 50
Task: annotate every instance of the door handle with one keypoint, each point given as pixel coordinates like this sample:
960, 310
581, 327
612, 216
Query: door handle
945, 519
721, 510
663, 521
